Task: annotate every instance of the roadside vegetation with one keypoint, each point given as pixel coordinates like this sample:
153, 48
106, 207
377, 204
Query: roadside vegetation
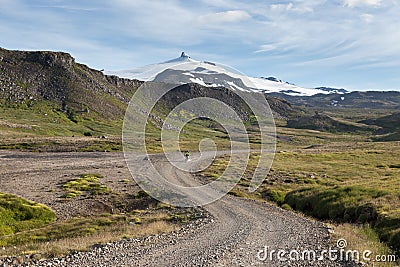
31, 228
80, 233
18, 215
362, 238
339, 178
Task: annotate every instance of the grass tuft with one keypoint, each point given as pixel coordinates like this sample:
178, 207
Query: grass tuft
85, 183
18, 214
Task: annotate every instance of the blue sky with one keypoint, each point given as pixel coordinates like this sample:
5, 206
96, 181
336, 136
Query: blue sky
353, 44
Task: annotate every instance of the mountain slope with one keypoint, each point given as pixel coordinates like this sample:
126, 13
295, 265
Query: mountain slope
27, 78
187, 70
389, 127
322, 122
48, 93
389, 123
280, 108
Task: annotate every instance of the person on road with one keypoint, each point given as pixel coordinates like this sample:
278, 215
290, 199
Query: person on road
187, 154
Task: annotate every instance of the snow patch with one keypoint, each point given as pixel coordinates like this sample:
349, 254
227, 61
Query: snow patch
188, 74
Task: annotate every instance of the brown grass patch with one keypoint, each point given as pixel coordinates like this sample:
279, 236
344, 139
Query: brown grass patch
140, 226
363, 238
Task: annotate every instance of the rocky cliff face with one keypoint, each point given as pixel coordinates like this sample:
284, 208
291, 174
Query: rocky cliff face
27, 77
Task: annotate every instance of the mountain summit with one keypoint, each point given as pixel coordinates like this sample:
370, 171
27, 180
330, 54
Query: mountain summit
184, 55
184, 70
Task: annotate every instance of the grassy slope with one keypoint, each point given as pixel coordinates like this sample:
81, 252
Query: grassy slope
45, 119
43, 127
18, 215
324, 122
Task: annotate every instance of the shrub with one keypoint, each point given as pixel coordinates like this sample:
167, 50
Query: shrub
388, 229
286, 207
273, 195
343, 204
347, 204
141, 194
85, 183
18, 214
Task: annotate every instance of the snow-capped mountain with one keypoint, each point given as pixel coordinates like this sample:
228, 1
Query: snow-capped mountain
184, 70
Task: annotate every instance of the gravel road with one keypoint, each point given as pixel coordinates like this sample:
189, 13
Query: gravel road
236, 232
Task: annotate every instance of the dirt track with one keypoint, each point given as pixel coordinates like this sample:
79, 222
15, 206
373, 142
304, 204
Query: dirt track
239, 229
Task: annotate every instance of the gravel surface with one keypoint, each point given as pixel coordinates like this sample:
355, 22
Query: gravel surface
39, 176
232, 234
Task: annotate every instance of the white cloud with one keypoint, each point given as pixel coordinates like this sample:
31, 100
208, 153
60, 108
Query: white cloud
281, 7
358, 3
266, 48
314, 33
70, 8
225, 16
368, 18
291, 7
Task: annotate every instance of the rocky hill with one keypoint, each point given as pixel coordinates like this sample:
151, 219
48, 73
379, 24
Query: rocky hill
30, 77
389, 123
389, 127
322, 122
